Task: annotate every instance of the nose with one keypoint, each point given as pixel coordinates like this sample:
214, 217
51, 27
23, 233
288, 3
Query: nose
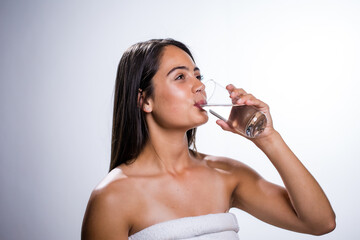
199, 87
199, 90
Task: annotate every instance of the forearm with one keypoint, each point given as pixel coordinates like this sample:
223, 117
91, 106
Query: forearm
308, 199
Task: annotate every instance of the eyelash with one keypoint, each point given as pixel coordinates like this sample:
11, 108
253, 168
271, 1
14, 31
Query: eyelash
181, 76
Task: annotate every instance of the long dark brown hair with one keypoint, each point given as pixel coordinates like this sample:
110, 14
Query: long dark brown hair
136, 69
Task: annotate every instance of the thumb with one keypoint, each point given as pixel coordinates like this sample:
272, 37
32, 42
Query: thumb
224, 125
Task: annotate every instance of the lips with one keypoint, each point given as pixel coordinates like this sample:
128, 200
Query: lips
200, 103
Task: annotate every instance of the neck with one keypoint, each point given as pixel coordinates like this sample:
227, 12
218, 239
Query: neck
167, 151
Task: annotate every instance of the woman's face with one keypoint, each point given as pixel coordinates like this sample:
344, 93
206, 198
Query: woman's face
178, 91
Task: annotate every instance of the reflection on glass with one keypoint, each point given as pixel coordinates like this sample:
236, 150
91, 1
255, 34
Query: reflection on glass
246, 120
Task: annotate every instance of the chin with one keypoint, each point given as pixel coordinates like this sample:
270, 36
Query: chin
202, 121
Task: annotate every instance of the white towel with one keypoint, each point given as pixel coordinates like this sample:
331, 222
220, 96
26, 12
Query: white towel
206, 227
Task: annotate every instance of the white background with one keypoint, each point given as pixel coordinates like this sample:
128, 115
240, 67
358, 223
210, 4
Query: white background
57, 70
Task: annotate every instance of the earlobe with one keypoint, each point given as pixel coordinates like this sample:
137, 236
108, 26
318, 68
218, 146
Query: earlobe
147, 108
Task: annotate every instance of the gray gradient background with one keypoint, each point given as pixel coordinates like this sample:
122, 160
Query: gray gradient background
57, 70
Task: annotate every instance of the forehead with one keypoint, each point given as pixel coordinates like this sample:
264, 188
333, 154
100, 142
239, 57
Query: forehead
173, 56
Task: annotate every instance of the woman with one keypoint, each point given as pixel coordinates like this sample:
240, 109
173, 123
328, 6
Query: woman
158, 188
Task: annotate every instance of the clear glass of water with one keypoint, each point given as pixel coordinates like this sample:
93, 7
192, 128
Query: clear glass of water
246, 120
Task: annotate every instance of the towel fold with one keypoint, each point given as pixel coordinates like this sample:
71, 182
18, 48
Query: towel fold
206, 227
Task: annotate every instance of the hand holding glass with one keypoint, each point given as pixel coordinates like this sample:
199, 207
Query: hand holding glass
244, 119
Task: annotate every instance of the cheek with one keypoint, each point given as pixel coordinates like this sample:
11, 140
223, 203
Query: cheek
171, 107
172, 99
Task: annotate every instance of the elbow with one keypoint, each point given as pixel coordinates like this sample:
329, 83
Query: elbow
326, 227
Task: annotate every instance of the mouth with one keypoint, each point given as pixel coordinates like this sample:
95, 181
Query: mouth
199, 104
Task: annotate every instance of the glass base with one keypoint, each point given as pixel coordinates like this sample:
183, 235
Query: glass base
256, 125
247, 120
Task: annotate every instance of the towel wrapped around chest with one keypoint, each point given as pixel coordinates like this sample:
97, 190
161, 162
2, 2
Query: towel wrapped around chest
206, 227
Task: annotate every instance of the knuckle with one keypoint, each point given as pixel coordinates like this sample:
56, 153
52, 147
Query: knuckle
239, 90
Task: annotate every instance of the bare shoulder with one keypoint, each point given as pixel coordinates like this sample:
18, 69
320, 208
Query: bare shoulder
230, 166
241, 179
110, 208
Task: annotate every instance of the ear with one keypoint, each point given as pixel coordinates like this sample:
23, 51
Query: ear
147, 108
143, 102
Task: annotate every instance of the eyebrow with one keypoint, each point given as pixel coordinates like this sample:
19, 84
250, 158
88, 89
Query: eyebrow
182, 67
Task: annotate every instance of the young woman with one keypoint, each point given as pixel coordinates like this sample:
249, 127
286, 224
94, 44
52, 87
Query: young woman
158, 188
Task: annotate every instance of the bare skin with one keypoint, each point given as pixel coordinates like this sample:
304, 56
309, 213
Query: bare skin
168, 182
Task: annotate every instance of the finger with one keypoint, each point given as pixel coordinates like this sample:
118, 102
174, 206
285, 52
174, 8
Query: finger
237, 96
235, 93
251, 100
245, 99
224, 125
230, 88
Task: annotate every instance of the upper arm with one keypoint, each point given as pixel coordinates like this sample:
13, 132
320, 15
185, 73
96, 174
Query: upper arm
105, 218
264, 200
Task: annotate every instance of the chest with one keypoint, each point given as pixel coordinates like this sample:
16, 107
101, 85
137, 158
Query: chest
195, 195
166, 198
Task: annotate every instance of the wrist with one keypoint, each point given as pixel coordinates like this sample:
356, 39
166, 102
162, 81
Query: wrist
268, 139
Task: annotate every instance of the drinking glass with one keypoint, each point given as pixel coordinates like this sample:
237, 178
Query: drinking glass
244, 119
